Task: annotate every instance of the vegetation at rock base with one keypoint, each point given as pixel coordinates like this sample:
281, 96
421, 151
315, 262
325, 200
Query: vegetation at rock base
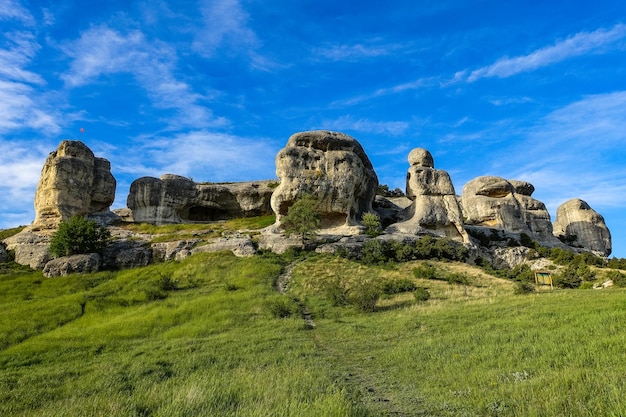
78, 235
407, 336
302, 219
372, 223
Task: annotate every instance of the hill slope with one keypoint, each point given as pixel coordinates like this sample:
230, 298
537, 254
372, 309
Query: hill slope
212, 336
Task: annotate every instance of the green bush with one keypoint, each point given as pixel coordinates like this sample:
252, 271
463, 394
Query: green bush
280, 308
421, 294
425, 271
372, 223
364, 294
335, 290
79, 235
375, 252
524, 287
567, 278
302, 219
398, 286
619, 279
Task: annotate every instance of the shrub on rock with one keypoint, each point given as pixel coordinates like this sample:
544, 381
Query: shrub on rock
77, 236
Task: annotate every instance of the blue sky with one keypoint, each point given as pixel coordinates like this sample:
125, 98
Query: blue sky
212, 89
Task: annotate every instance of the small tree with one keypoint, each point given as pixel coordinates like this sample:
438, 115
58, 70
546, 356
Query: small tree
79, 235
302, 219
372, 223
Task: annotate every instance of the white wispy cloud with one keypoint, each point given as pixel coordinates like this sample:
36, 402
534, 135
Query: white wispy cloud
204, 156
225, 24
348, 123
357, 51
582, 43
102, 51
398, 88
575, 152
20, 167
14, 10
22, 101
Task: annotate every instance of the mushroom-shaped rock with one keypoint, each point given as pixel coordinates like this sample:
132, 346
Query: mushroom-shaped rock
578, 225
435, 208
490, 202
176, 199
73, 182
333, 168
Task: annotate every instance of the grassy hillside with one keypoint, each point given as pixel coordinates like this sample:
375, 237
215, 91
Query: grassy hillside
211, 336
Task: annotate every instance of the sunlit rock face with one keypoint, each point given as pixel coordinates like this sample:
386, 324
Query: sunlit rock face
177, 199
578, 225
507, 205
332, 167
73, 182
435, 208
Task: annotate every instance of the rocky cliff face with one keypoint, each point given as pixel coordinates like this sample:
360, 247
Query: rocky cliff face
578, 225
334, 169
73, 182
435, 209
176, 199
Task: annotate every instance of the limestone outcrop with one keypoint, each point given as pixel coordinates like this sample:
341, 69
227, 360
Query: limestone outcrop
75, 264
435, 209
508, 205
332, 167
580, 226
176, 199
73, 182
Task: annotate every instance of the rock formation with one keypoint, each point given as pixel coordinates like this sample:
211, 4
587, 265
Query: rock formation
578, 225
73, 182
435, 208
176, 199
507, 205
333, 168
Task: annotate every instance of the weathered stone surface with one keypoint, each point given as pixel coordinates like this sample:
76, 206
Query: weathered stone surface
73, 182
4, 255
75, 264
176, 199
578, 225
30, 248
126, 254
507, 205
170, 251
391, 209
332, 167
240, 246
435, 208
489, 201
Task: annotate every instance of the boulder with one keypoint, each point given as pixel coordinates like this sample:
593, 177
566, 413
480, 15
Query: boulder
173, 251
126, 254
507, 205
176, 199
73, 182
333, 168
30, 248
435, 209
490, 202
240, 246
391, 209
579, 226
75, 264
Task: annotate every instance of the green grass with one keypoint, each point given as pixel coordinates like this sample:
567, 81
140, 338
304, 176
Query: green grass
179, 231
202, 337
5, 233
